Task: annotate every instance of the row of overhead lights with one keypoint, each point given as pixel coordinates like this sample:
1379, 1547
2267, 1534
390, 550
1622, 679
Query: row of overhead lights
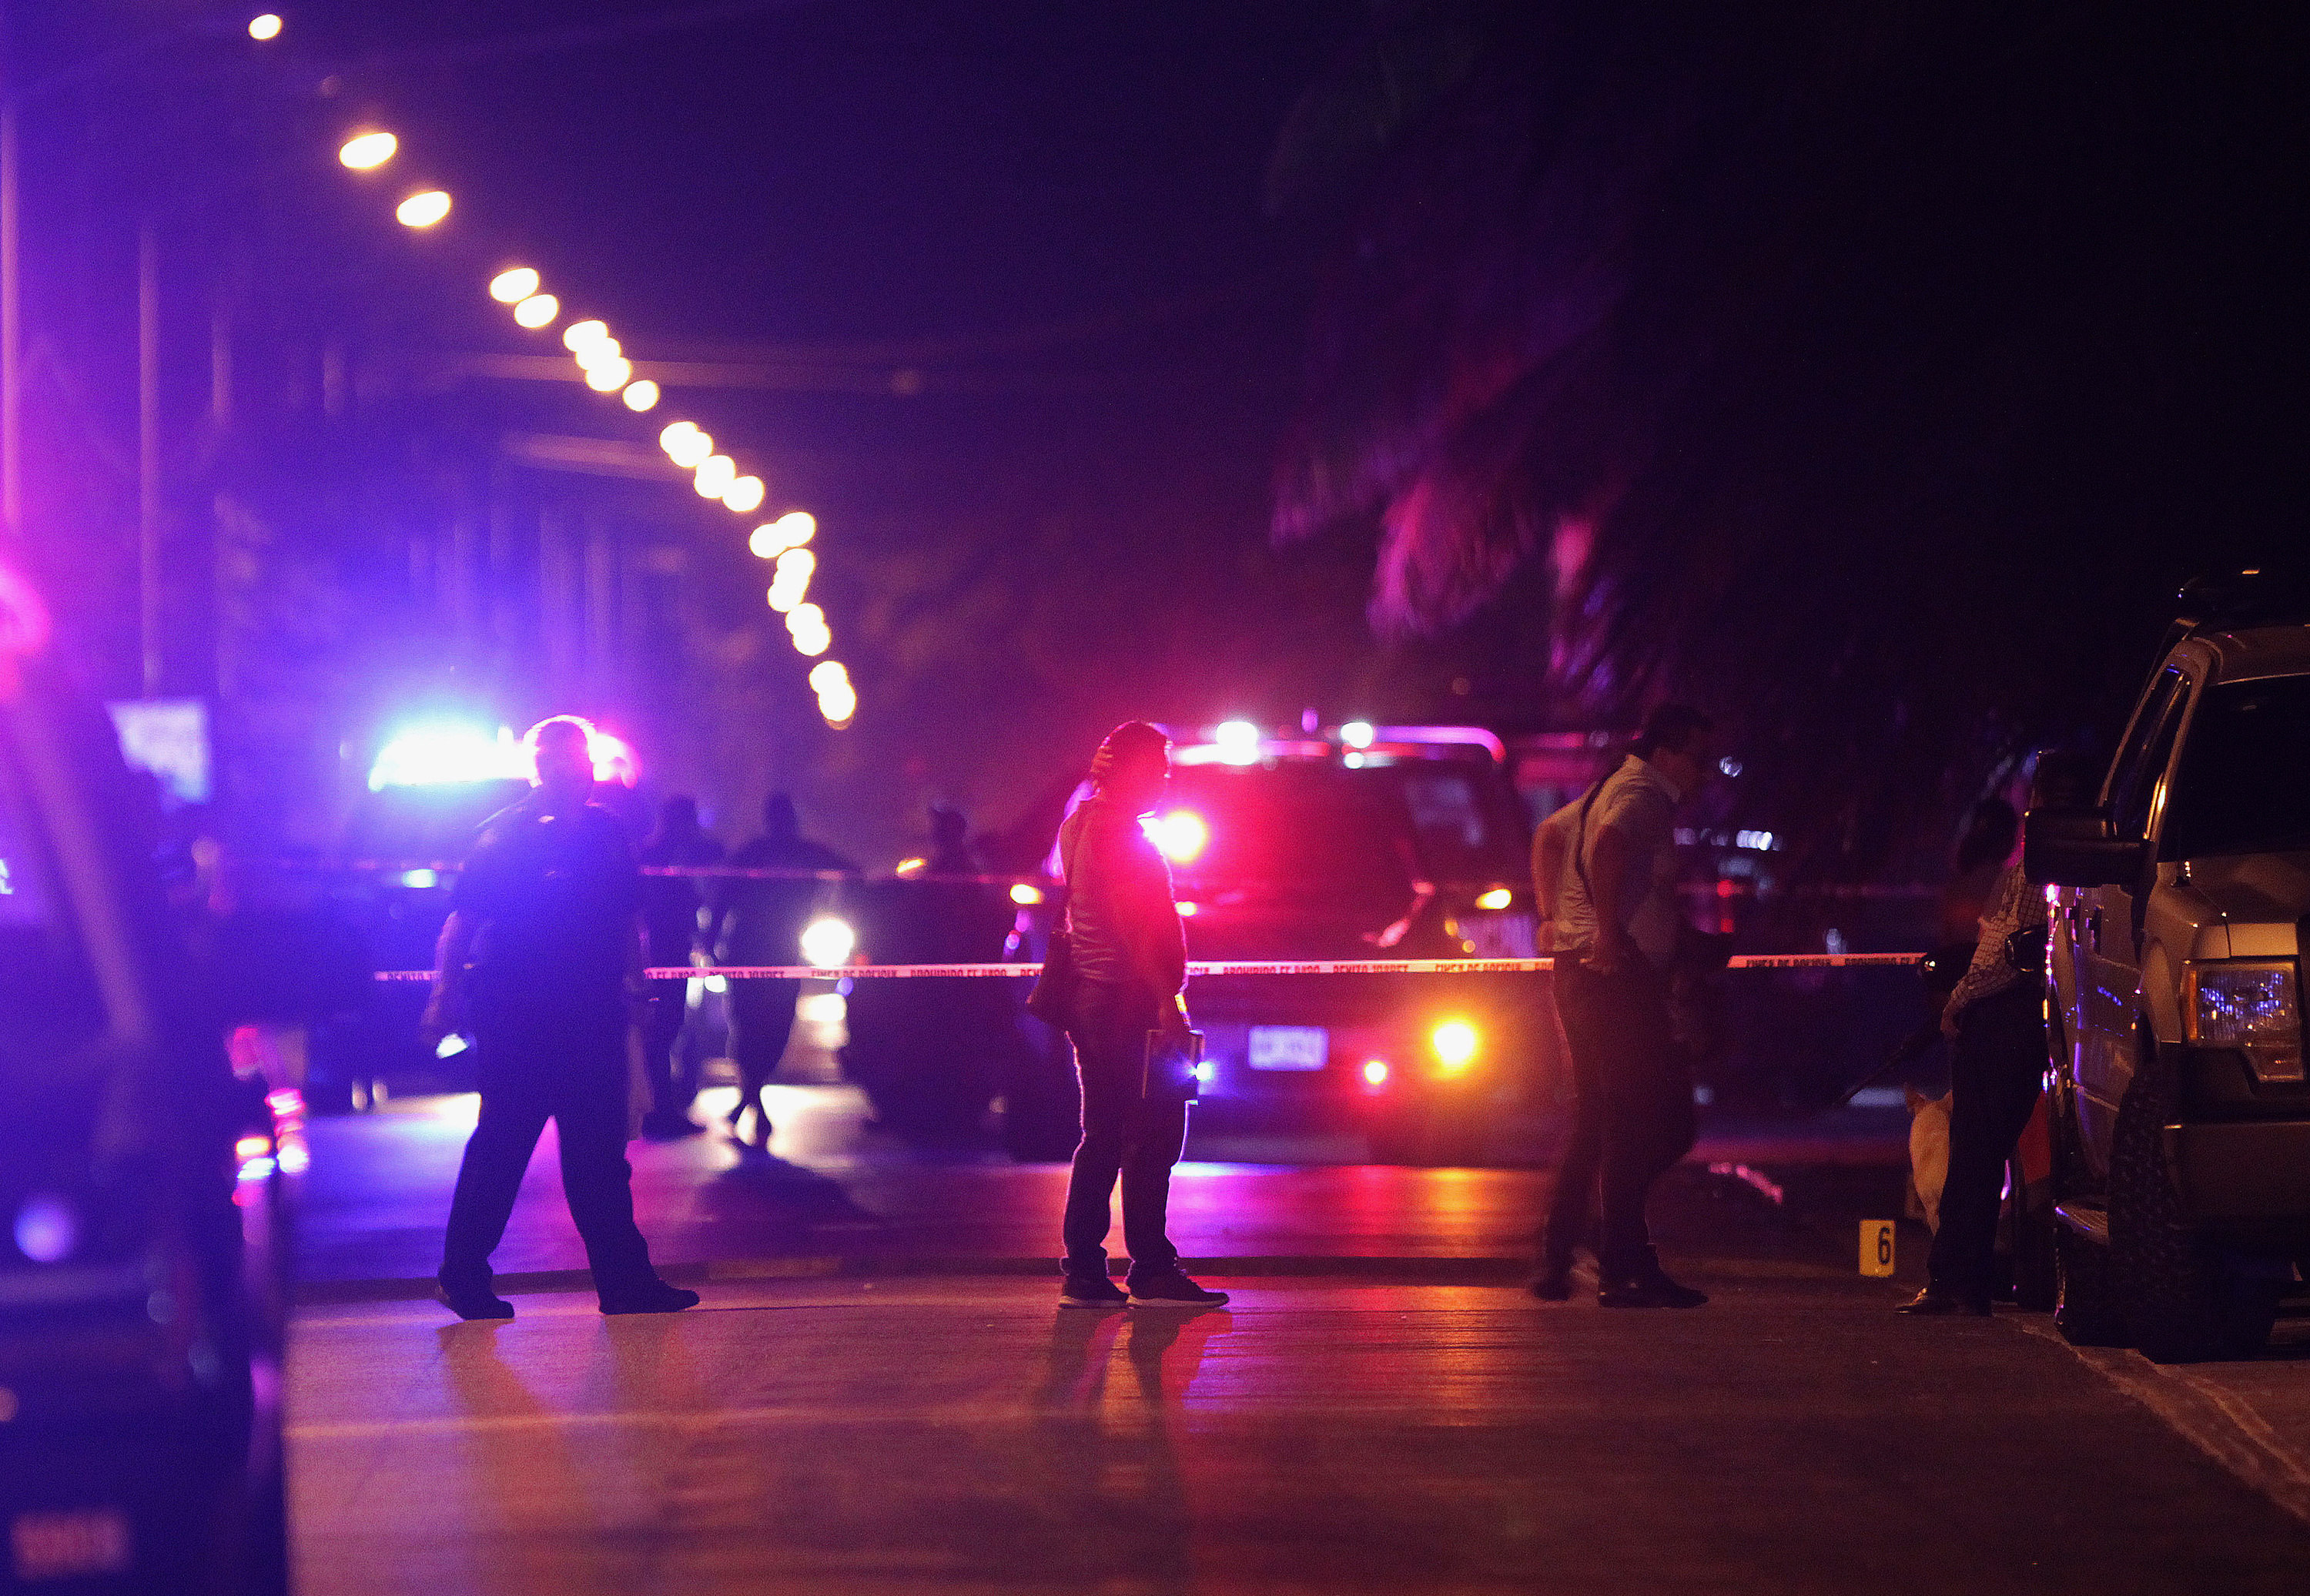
607, 370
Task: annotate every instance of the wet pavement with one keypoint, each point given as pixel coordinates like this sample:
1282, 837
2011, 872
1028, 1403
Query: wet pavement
948, 1436
833, 1191
879, 1394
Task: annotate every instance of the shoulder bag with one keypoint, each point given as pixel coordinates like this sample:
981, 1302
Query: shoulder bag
1053, 999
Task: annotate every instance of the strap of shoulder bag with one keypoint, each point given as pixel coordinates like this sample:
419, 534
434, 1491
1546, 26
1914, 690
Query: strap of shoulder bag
1580, 846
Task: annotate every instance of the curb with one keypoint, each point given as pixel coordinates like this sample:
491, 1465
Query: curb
1441, 1271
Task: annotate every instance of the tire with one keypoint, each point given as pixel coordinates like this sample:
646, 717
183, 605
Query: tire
1426, 1136
2086, 1308
2183, 1302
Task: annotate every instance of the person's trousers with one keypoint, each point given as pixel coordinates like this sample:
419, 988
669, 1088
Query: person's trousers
1996, 1071
762, 1020
570, 1069
1127, 1132
1632, 1118
671, 1087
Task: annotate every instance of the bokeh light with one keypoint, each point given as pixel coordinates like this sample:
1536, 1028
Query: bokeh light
792, 580
423, 210
641, 394
1454, 1042
744, 495
263, 28
1179, 836
827, 942
579, 335
513, 285
538, 310
607, 377
716, 473
366, 152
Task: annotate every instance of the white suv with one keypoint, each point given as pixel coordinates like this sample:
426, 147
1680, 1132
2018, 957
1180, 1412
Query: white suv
2181, 1113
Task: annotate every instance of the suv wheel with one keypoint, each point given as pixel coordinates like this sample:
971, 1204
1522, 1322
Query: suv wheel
2183, 1301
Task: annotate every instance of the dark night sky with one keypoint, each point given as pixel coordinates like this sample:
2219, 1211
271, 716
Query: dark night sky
1048, 215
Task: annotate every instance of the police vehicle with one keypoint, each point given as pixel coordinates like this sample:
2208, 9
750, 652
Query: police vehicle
143, 1264
1355, 842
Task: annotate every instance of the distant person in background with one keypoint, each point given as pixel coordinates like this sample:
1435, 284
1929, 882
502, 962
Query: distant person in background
1991, 830
540, 957
670, 930
760, 922
1130, 957
1618, 928
952, 854
1996, 1019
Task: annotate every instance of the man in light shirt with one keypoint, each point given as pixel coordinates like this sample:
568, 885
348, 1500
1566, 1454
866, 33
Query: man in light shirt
1616, 931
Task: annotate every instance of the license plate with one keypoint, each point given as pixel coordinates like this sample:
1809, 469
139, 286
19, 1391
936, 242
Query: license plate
1289, 1046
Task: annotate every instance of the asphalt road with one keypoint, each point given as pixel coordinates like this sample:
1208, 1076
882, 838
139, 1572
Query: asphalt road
966, 1434
877, 1397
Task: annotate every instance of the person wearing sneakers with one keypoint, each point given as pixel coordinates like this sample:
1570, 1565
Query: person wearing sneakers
1124, 1011
1618, 928
541, 959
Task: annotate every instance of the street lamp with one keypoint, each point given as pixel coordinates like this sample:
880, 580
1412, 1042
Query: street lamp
423, 210
512, 286
715, 474
367, 151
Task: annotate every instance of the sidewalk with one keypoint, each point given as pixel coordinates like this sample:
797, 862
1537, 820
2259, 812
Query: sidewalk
840, 1198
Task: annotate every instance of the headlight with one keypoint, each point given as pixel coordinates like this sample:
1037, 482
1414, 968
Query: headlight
2249, 1005
828, 943
1454, 1042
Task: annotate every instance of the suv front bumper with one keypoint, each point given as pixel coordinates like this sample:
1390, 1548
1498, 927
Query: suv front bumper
2244, 1169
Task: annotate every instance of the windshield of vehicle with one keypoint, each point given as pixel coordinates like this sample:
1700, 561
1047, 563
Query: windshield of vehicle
2244, 783
1309, 827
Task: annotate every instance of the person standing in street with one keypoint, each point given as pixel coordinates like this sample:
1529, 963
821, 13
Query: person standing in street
542, 958
1127, 1011
670, 909
760, 922
1618, 928
1995, 1020
1583, 1147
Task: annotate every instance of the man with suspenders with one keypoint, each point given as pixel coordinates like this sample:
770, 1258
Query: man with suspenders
1616, 930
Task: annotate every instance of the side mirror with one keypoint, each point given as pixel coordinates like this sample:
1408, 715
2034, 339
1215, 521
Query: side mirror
2078, 847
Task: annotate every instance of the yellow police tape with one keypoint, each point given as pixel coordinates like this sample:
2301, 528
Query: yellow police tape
1225, 966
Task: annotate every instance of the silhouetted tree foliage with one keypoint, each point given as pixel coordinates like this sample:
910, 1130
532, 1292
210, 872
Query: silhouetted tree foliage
1869, 373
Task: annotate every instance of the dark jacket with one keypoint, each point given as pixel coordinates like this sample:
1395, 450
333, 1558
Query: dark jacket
1121, 925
